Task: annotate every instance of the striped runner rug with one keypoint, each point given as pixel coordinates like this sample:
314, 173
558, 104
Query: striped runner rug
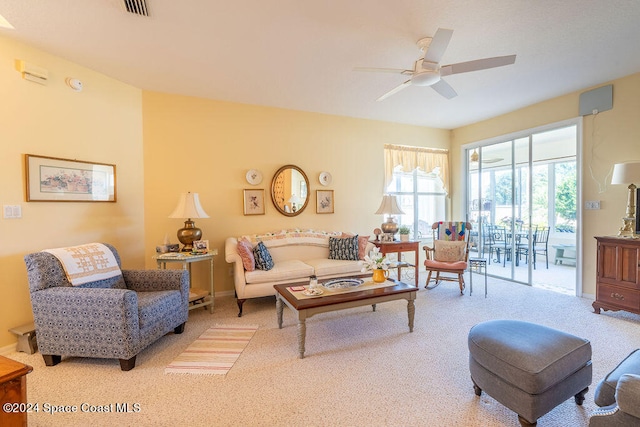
214, 352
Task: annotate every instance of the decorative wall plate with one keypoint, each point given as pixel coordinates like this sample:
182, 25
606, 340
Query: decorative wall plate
325, 178
254, 177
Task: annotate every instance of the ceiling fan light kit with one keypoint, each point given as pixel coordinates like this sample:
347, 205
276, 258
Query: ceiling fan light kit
427, 71
425, 77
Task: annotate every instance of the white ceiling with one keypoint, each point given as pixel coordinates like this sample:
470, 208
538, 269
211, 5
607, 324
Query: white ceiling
300, 54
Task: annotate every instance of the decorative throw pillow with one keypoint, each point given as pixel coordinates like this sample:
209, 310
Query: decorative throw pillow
362, 246
448, 251
263, 257
245, 250
362, 243
343, 248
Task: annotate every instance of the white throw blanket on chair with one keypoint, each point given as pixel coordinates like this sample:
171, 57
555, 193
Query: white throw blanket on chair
87, 263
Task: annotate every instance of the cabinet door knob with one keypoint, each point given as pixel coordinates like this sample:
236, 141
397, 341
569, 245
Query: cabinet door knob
617, 296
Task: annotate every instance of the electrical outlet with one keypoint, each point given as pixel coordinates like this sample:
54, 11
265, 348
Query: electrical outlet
592, 204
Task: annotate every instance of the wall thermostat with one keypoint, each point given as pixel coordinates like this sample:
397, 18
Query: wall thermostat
74, 84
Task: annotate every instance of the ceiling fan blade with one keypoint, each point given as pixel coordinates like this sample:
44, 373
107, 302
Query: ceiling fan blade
478, 64
383, 70
438, 45
444, 89
395, 90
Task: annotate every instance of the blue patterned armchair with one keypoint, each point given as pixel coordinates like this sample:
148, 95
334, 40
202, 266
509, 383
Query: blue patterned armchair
108, 318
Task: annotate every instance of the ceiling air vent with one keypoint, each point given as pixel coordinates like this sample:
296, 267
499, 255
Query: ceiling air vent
137, 7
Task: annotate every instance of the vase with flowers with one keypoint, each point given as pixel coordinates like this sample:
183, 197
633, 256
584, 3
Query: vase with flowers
378, 264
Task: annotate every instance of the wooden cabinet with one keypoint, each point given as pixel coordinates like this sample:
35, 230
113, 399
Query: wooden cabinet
13, 389
617, 278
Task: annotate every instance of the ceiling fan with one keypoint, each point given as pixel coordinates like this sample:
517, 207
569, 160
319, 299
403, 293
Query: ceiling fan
427, 71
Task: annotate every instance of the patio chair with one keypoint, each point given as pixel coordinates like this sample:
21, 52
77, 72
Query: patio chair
522, 243
497, 242
541, 245
488, 240
449, 254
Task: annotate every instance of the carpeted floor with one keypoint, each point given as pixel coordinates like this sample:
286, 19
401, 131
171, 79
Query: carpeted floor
362, 368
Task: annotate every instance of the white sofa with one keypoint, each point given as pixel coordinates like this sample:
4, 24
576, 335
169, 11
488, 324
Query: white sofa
297, 255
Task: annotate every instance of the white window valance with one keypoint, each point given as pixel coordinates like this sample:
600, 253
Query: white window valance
410, 158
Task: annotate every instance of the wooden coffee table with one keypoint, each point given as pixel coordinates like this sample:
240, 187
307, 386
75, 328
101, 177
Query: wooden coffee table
305, 308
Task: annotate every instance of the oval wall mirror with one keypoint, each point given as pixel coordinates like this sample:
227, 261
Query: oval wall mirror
290, 190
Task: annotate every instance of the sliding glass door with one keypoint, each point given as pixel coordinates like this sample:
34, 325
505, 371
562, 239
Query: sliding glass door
522, 194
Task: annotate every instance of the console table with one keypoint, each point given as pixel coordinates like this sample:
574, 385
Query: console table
13, 389
197, 297
399, 247
617, 278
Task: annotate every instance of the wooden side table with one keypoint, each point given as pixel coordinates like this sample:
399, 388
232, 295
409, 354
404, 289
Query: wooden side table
13, 390
196, 296
399, 247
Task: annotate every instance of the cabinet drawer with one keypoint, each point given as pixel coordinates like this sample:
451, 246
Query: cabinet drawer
617, 295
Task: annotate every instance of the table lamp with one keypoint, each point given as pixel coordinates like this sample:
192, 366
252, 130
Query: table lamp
627, 173
189, 207
389, 206
294, 200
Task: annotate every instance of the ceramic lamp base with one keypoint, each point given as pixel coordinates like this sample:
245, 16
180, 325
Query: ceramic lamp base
628, 228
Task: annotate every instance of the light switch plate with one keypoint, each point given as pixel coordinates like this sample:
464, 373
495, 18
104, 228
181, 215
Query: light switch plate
12, 211
592, 204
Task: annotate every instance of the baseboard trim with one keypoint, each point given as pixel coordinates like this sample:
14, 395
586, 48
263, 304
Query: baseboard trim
4, 351
225, 293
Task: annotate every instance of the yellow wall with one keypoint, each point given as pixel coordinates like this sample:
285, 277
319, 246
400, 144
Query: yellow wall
608, 138
205, 146
103, 123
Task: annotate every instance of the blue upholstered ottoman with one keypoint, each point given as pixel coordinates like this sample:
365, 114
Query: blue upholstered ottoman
528, 368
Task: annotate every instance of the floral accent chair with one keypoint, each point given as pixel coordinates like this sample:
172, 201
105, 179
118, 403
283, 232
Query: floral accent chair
115, 317
449, 254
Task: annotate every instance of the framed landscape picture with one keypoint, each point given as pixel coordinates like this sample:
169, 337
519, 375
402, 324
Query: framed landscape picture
52, 179
254, 202
324, 201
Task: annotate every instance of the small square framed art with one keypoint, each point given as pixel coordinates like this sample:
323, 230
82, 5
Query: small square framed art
324, 201
254, 202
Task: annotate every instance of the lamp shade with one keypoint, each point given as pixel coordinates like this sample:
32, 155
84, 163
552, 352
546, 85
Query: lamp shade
626, 173
389, 206
188, 207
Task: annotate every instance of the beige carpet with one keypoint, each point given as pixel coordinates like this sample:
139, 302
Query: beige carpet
214, 352
361, 368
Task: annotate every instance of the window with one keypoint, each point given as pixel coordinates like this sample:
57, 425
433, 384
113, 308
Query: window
422, 198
